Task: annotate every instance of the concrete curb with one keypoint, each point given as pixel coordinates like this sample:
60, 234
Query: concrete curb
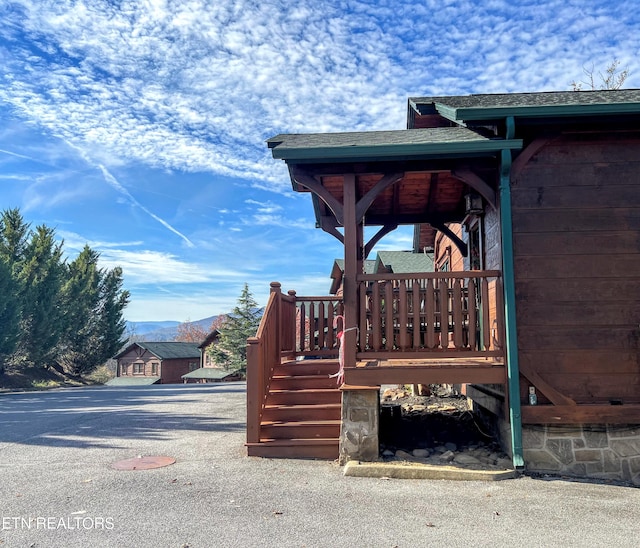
409, 470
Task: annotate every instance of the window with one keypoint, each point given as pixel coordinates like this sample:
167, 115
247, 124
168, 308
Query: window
444, 261
138, 368
154, 368
476, 246
193, 366
124, 369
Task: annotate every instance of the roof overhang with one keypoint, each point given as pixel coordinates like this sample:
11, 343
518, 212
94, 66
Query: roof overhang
534, 106
384, 146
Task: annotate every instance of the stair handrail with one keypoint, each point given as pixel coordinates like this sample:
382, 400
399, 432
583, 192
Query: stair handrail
263, 354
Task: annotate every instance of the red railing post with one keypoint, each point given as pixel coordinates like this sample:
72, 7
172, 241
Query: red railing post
255, 389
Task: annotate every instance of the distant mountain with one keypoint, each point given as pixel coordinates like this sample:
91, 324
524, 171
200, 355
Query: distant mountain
163, 330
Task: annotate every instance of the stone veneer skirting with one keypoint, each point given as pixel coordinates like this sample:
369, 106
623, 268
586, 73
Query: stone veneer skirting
594, 451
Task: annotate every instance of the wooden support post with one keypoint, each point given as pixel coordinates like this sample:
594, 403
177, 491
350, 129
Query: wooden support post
351, 256
255, 389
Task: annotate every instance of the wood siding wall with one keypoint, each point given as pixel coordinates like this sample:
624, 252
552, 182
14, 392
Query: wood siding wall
576, 224
170, 371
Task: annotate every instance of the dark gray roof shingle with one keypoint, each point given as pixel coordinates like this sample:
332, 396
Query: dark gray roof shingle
545, 98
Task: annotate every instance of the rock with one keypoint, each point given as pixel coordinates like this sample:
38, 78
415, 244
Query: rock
504, 463
388, 453
400, 454
418, 407
447, 456
420, 453
440, 449
465, 458
451, 446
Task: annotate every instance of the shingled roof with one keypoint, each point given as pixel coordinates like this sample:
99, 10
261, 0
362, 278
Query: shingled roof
166, 350
548, 103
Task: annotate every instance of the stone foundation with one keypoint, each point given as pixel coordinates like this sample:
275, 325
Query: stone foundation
594, 451
588, 451
359, 438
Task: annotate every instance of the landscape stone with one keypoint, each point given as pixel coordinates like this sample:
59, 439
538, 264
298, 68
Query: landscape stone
420, 453
448, 456
451, 446
465, 458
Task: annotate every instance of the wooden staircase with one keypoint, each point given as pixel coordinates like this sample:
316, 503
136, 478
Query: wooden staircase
301, 416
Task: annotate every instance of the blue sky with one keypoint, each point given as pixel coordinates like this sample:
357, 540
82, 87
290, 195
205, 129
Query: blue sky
138, 126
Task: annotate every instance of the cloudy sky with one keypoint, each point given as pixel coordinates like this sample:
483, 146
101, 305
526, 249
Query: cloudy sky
138, 126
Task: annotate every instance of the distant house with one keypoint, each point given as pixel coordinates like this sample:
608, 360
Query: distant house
209, 371
398, 262
205, 358
156, 362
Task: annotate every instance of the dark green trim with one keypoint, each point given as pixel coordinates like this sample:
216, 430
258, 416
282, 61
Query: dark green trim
508, 275
546, 111
321, 155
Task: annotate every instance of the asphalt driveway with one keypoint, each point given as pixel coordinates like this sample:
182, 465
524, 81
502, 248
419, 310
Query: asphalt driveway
57, 488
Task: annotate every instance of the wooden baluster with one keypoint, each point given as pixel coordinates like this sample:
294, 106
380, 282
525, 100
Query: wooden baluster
388, 315
303, 323
376, 315
430, 314
321, 325
456, 315
484, 303
330, 340
403, 316
417, 324
364, 311
443, 287
499, 315
473, 317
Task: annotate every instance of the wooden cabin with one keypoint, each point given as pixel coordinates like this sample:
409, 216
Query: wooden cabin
531, 203
155, 363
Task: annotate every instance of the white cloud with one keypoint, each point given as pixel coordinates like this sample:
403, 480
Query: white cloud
154, 267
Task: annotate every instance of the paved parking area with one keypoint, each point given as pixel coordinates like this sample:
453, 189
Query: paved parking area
57, 488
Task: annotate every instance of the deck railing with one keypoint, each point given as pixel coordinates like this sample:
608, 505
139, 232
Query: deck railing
263, 354
316, 325
447, 313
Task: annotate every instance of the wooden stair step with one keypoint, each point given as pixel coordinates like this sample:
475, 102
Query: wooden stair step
317, 448
300, 429
308, 412
307, 367
295, 382
309, 396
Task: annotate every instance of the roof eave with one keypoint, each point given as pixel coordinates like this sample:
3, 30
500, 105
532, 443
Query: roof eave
547, 111
394, 152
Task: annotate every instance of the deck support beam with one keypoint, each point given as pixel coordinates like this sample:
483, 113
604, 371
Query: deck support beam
352, 266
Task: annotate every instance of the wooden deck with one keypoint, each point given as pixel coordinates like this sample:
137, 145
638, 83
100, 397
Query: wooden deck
427, 371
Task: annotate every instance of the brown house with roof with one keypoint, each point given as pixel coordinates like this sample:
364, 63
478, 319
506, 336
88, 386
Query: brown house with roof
155, 362
531, 203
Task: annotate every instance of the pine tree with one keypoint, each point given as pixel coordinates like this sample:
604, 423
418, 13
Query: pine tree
40, 278
9, 314
93, 303
230, 352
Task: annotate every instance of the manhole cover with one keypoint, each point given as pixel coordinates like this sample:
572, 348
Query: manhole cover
143, 463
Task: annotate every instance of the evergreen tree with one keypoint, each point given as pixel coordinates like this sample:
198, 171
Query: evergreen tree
230, 352
93, 302
67, 316
14, 233
9, 314
40, 278
111, 322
